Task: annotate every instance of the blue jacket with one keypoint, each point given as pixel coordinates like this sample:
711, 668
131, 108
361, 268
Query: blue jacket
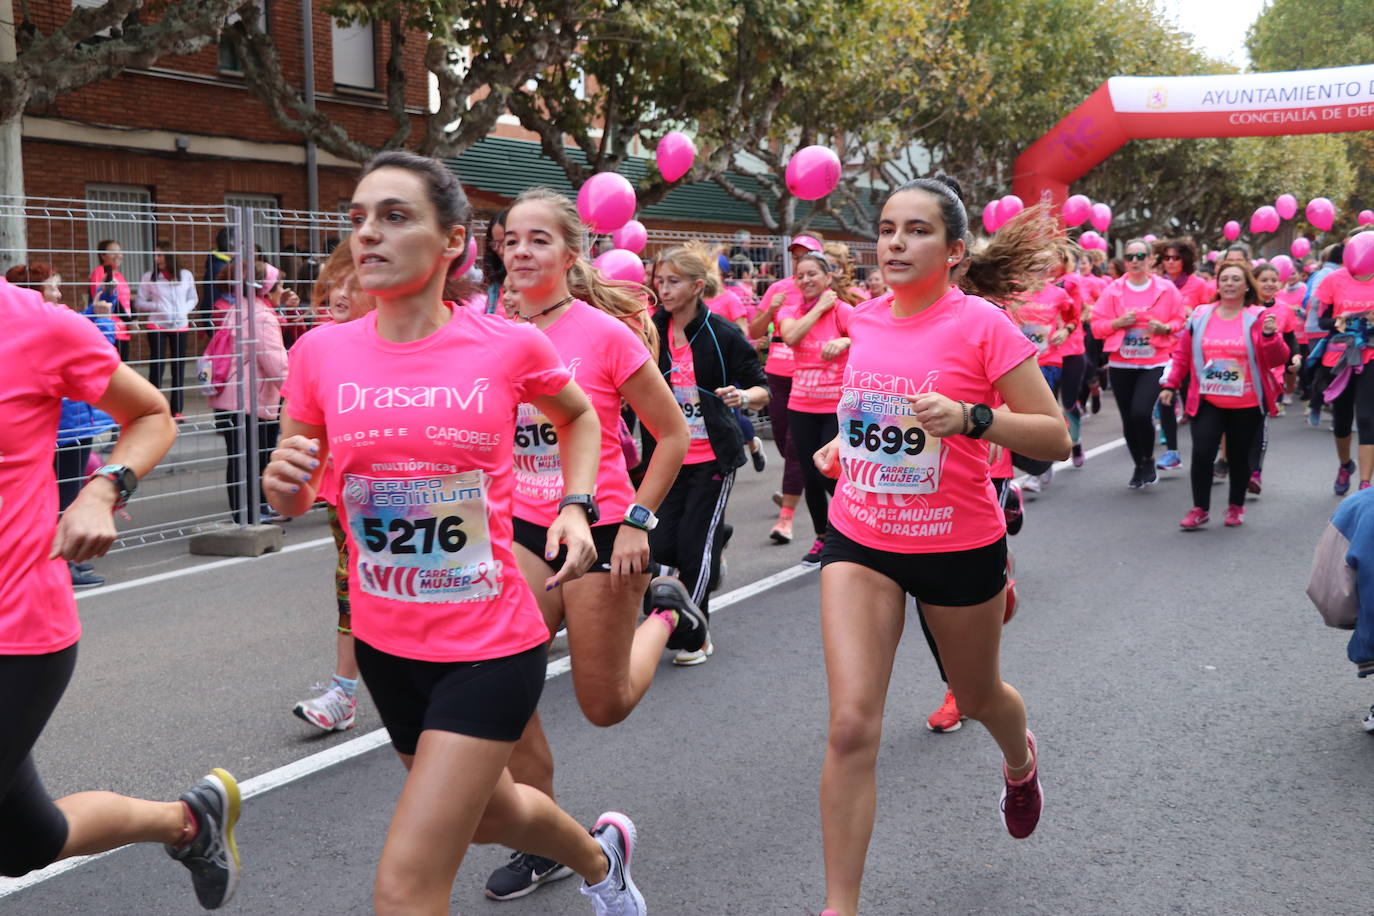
1355, 520
80, 421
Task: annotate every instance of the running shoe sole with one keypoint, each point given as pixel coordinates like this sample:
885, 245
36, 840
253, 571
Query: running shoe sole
536, 882
780, 537
691, 659
342, 726
688, 613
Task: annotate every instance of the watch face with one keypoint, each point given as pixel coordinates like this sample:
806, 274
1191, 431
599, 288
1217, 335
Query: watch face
639, 515
982, 415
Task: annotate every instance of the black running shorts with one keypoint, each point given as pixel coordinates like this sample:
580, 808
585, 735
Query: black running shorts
491, 699
534, 537
959, 578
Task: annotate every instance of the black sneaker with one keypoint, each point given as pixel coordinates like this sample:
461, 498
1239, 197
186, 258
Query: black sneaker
212, 857
813, 556
82, 567
84, 579
669, 593
1136, 481
1220, 468
524, 874
758, 455
1148, 475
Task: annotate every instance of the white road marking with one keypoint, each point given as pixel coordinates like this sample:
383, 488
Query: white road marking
200, 567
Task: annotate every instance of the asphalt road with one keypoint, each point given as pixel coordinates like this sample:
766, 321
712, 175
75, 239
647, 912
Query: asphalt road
1199, 729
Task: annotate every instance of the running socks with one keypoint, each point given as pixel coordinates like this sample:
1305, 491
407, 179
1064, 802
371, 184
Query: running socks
348, 685
669, 618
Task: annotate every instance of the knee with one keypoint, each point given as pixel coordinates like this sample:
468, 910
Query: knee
603, 712
854, 732
979, 704
395, 891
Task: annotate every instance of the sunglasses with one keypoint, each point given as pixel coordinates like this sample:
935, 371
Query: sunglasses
1138, 256
1172, 257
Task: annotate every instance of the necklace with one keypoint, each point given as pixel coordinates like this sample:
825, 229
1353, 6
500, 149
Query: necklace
557, 305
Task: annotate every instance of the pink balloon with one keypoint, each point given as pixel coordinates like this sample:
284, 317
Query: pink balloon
1286, 205
632, 236
674, 155
1231, 231
1101, 217
1265, 219
1359, 254
813, 172
1284, 265
1366, 217
1300, 247
1212, 256
1077, 209
469, 257
1309, 268
1321, 213
1008, 207
619, 264
990, 220
606, 202
1091, 239
1151, 238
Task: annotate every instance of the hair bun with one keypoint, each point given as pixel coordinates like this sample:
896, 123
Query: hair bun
952, 185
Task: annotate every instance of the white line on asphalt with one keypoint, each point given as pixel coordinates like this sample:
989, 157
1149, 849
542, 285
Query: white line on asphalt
200, 567
355, 747
339, 753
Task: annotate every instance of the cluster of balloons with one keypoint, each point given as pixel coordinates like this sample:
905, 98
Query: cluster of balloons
999, 211
606, 201
1078, 209
1320, 212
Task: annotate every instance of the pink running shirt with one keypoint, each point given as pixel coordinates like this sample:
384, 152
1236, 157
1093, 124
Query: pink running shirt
816, 382
781, 360
1224, 379
682, 378
47, 353
727, 305
1347, 296
1136, 347
425, 477
602, 353
1040, 316
900, 489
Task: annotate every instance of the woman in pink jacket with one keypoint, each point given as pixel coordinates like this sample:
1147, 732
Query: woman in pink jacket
108, 283
228, 404
1227, 357
1137, 318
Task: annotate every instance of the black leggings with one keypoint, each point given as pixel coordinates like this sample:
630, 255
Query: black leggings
70, 466
779, 390
1241, 426
168, 347
232, 427
1260, 447
1136, 391
1071, 381
1354, 407
1168, 424
809, 432
32, 829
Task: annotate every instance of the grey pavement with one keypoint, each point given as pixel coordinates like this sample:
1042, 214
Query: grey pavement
1199, 730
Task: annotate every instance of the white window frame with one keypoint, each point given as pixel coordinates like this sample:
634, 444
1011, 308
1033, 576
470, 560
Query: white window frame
354, 47
124, 213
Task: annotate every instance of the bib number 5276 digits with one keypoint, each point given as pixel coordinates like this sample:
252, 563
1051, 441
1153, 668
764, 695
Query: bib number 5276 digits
422, 539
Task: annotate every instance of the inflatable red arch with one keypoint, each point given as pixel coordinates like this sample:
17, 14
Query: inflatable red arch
1124, 108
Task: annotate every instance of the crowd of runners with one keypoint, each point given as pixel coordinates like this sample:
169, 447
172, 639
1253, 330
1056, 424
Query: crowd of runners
557, 451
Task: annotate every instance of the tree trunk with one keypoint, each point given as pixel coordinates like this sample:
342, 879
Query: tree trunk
14, 246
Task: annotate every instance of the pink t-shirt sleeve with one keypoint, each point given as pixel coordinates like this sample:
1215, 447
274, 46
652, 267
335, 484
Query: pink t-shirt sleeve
1002, 344
300, 391
77, 357
540, 371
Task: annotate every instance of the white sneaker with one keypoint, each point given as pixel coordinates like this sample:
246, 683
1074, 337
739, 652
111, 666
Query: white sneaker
1029, 484
686, 659
331, 711
1369, 721
1046, 478
616, 895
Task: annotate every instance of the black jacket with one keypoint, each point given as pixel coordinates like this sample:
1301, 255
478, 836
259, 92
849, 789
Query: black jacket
720, 345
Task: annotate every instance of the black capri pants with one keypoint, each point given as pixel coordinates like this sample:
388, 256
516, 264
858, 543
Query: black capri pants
809, 432
32, 829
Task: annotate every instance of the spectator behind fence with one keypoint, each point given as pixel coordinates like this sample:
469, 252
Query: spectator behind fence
1342, 581
78, 424
166, 297
109, 286
214, 281
228, 404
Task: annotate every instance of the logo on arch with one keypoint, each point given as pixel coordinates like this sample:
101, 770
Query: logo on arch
1157, 99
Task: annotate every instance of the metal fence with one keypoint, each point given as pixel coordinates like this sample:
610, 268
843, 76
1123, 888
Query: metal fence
210, 479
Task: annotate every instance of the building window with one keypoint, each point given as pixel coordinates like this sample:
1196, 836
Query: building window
122, 213
228, 58
355, 55
266, 221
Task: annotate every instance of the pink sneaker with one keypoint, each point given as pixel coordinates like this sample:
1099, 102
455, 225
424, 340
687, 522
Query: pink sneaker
1195, 519
947, 718
1235, 516
1256, 483
1023, 800
1364, 485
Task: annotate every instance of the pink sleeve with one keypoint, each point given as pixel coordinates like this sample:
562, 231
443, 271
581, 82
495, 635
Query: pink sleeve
1178, 312
1004, 346
1105, 311
270, 348
786, 313
299, 391
1326, 290
76, 356
627, 354
536, 367
1181, 365
843, 312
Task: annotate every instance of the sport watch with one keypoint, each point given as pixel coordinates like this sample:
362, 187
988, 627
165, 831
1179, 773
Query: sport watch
124, 479
640, 517
979, 418
586, 501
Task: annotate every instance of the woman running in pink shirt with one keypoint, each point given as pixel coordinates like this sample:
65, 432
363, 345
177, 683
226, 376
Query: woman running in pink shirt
915, 511
417, 403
